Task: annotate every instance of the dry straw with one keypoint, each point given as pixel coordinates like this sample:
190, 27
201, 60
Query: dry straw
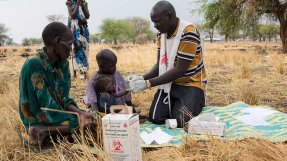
223, 65
280, 68
244, 72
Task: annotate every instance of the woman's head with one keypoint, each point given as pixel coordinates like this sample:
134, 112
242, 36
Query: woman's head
58, 39
79, 1
107, 61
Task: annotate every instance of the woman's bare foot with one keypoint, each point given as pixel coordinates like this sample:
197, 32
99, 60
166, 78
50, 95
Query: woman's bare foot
36, 135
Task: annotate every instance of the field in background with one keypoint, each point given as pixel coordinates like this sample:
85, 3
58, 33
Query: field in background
255, 73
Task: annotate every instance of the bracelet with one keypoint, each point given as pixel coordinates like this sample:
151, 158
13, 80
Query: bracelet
147, 83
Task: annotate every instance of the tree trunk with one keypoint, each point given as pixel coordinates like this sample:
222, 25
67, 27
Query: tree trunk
284, 44
134, 41
283, 36
226, 38
211, 38
210, 34
115, 42
283, 30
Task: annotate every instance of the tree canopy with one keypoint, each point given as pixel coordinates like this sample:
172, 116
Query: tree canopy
32, 41
56, 18
233, 16
114, 30
140, 29
3, 34
133, 29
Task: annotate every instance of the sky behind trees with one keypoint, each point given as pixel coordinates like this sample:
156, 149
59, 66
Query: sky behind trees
27, 18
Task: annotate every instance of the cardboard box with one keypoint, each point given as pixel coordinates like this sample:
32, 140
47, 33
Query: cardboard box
121, 134
206, 125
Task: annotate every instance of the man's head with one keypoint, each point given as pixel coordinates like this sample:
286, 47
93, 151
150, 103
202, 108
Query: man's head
107, 61
104, 84
163, 15
58, 37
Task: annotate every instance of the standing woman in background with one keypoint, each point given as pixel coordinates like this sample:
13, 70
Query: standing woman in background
78, 15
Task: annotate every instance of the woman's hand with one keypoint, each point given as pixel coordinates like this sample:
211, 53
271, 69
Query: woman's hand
80, 2
86, 118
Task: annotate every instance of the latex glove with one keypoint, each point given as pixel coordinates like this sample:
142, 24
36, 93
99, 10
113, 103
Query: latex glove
137, 86
132, 78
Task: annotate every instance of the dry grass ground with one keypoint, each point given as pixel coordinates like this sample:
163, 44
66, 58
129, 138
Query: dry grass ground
255, 73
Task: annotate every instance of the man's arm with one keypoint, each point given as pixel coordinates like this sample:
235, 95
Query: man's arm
187, 51
171, 75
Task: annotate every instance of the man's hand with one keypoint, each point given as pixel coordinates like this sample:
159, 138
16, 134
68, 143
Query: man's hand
138, 86
86, 118
132, 78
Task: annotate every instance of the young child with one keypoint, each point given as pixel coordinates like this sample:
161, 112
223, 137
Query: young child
106, 96
107, 86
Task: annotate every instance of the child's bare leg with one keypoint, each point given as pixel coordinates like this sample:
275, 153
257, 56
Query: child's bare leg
38, 133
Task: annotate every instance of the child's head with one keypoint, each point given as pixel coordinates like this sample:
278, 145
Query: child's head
107, 61
104, 84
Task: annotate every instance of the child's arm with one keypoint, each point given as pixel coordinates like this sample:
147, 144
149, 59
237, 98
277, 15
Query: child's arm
120, 94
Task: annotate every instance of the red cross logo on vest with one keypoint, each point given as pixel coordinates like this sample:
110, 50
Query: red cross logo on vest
163, 59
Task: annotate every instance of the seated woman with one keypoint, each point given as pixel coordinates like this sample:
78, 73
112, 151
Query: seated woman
45, 82
107, 61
